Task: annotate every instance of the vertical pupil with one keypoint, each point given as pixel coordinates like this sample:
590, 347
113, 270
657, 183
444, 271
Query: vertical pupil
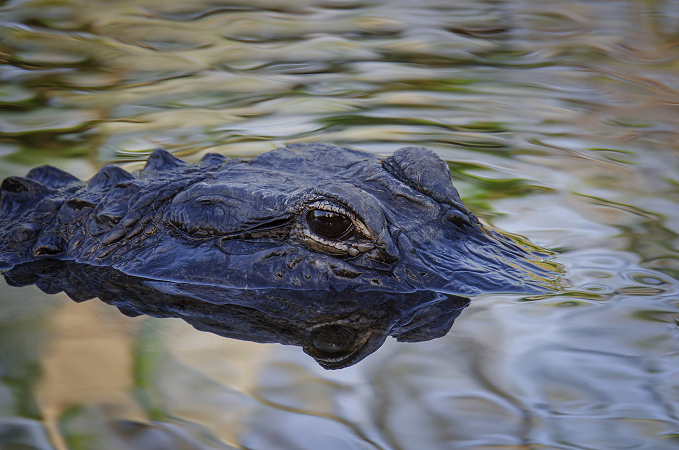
329, 224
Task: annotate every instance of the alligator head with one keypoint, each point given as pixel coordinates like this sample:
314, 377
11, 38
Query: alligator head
307, 217
300, 217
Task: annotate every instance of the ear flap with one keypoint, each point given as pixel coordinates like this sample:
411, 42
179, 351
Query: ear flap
423, 170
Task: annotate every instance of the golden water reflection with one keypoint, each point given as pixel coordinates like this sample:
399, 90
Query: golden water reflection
559, 120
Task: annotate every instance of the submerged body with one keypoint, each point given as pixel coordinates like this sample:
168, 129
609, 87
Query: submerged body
307, 244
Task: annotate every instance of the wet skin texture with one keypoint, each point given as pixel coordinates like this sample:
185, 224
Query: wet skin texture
322, 224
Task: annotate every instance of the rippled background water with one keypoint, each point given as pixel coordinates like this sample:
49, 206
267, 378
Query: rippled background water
560, 120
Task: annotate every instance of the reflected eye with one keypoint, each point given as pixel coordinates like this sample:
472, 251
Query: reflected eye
333, 339
328, 224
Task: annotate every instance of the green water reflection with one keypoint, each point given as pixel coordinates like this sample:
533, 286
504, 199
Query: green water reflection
559, 120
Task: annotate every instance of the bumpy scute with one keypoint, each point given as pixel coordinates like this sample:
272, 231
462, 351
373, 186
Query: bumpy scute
162, 161
53, 177
108, 177
18, 194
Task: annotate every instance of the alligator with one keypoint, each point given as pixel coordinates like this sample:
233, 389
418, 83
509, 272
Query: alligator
339, 222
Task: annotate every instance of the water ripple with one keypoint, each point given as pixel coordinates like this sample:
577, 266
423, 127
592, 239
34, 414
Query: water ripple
558, 120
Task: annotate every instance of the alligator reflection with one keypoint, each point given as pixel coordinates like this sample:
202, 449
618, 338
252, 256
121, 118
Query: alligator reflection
337, 328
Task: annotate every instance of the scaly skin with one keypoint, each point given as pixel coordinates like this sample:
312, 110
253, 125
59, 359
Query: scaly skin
399, 224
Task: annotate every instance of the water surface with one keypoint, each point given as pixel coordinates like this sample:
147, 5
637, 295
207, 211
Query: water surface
560, 122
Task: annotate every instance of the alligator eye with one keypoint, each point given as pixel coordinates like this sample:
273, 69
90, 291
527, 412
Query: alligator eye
328, 224
333, 339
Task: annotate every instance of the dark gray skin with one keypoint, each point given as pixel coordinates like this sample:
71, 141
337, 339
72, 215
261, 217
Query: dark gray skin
303, 217
324, 247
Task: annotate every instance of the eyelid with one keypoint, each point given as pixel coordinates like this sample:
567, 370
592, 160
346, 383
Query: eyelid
326, 205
